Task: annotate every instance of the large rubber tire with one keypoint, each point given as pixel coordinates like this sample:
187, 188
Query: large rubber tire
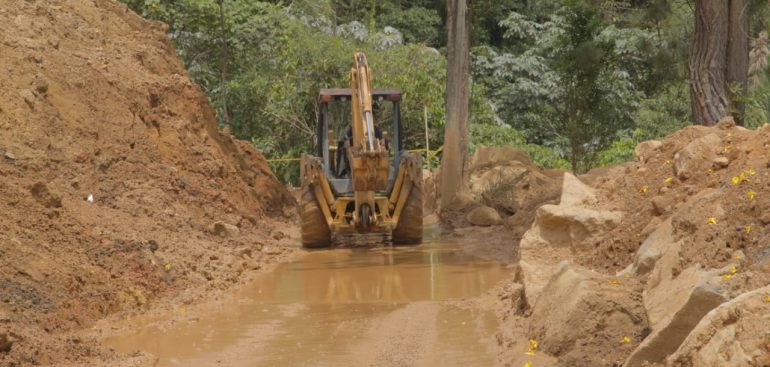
315, 231
408, 231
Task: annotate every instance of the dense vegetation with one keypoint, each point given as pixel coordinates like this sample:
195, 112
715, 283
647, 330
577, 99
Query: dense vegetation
576, 83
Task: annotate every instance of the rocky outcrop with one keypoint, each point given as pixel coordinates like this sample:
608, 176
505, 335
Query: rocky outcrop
561, 228
733, 335
580, 311
647, 149
674, 307
696, 156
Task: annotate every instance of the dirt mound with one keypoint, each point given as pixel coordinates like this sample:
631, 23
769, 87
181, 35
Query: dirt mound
730, 160
115, 177
689, 226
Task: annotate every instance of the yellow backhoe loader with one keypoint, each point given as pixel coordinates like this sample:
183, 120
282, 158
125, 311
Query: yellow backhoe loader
365, 182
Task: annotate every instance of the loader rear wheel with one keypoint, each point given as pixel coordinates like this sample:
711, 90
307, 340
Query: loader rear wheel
408, 231
315, 231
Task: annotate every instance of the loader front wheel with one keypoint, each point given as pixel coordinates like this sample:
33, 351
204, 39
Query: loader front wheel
315, 231
408, 230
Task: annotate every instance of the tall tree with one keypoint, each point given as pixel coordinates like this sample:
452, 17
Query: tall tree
719, 60
457, 101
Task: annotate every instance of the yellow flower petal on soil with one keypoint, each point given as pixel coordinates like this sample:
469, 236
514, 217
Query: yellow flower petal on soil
667, 162
766, 298
712, 220
751, 171
751, 194
747, 229
644, 189
532, 347
167, 267
726, 277
733, 270
615, 282
528, 364
737, 180
709, 171
625, 340
668, 180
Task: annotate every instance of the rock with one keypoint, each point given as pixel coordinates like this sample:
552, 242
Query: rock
44, 195
661, 204
696, 156
225, 229
272, 250
720, 162
28, 97
576, 193
726, 123
568, 226
653, 248
5, 343
41, 86
496, 186
486, 156
579, 310
484, 216
464, 201
646, 149
674, 307
153, 245
9, 156
735, 334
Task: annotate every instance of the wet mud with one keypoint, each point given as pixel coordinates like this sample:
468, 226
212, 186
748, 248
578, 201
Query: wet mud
388, 306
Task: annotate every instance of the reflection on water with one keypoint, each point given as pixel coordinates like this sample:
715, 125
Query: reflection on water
311, 311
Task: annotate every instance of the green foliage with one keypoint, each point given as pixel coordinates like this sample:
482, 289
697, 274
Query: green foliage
567, 80
418, 24
575, 85
620, 150
263, 64
664, 113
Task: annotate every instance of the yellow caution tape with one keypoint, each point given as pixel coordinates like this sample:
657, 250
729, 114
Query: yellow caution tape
432, 154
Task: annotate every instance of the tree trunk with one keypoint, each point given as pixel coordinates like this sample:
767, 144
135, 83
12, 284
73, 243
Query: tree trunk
708, 59
719, 60
738, 57
457, 102
225, 63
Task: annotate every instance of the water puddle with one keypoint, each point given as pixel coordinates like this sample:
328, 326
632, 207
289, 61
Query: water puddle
341, 307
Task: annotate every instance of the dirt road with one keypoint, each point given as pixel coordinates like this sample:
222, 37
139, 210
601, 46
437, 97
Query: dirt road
381, 306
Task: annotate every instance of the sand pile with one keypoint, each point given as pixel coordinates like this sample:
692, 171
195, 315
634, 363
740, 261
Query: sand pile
682, 232
117, 186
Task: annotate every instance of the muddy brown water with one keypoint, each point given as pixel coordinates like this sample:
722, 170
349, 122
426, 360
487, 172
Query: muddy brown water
342, 307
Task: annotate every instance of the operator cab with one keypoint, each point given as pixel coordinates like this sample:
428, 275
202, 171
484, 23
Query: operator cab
334, 133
